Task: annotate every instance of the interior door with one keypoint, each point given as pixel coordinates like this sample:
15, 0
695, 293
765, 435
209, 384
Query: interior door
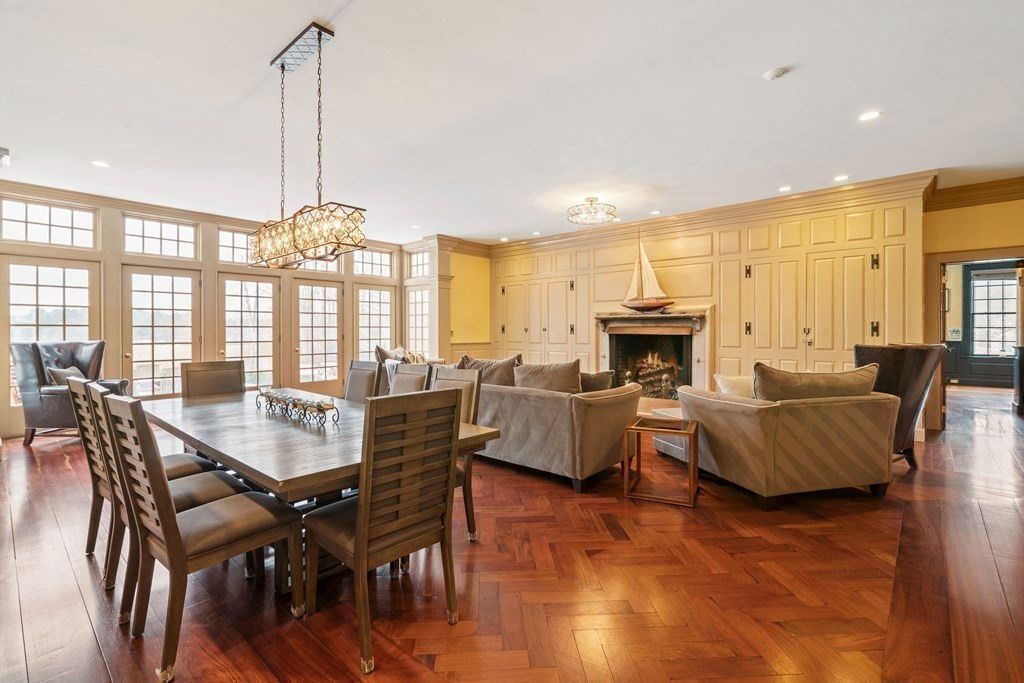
556, 321
731, 329
774, 306
840, 307
249, 324
161, 323
583, 324
515, 319
316, 358
535, 322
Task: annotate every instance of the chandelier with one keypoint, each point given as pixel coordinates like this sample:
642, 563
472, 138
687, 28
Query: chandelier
591, 212
323, 231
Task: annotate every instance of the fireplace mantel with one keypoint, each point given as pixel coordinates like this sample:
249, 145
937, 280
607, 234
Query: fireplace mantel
679, 320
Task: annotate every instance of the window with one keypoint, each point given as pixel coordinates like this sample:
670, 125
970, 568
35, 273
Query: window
318, 333
367, 262
374, 321
161, 332
418, 330
320, 266
47, 303
159, 238
419, 264
993, 313
58, 225
234, 246
249, 328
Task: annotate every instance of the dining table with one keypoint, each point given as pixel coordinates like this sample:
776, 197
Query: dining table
290, 458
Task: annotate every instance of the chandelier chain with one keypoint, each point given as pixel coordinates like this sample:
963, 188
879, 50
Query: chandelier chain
319, 119
282, 140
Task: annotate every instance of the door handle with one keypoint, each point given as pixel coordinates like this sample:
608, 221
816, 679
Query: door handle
127, 355
296, 349
221, 352
810, 342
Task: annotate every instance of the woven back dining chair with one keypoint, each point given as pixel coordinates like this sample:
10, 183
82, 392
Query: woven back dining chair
406, 484
410, 377
468, 382
362, 380
98, 478
209, 378
185, 542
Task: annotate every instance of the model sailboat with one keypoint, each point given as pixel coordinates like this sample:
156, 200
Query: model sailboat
644, 294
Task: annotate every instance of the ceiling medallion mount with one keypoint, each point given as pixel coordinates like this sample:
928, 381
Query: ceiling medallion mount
323, 231
591, 212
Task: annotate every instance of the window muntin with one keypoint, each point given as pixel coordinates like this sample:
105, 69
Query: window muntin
162, 324
369, 262
233, 246
320, 266
993, 314
418, 328
159, 238
318, 333
249, 328
419, 264
46, 224
374, 324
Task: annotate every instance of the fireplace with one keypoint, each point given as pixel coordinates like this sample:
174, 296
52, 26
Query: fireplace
654, 350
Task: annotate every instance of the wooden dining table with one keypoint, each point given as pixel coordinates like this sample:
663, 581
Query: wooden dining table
291, 459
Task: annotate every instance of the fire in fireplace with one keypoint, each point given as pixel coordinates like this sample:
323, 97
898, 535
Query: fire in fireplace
657, 362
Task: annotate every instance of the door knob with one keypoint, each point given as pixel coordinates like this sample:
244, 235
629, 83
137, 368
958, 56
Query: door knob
296, 349
810, 342
221, 352
127, 355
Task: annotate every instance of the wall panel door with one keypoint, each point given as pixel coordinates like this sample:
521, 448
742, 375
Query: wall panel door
535, 322
731, 343
556, 321
583, 324
515, 319
840, 307
774, 305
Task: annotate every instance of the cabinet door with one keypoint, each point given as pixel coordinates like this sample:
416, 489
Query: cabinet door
840, 307
515, 319
535, 314
556, 321
583, 324
730, 319
774, 306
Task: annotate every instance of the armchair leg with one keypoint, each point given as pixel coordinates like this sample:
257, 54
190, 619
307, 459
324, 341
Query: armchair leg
577, 485
767, 503
911, 458
878, 490
29, 435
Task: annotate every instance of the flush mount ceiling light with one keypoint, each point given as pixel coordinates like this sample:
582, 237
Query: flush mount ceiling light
869, 115
100, 164
5, 157
329, 229
841, 178
655, 213
776, 73
536, 233
591, 212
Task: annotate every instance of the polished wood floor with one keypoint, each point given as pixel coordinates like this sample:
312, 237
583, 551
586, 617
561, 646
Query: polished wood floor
926, 583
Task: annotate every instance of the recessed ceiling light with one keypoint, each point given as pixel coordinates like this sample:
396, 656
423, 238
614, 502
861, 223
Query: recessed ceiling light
869, 115
503, 239
536, 232
616, 220
841, 178
100, 164
776, 73
415, 227
785, 188
655, 213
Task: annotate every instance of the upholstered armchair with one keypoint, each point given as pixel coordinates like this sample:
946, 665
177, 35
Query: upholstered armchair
47, 405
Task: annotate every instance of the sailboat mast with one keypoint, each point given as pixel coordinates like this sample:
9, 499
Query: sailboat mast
639, 247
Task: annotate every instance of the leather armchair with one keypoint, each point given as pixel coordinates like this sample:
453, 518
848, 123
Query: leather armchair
904, 370
45, 405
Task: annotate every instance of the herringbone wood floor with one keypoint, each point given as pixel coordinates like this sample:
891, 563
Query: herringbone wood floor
928, 582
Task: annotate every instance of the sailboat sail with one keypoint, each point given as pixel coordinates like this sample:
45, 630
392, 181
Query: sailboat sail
644, 283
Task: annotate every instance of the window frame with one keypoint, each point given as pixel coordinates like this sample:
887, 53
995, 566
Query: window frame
357, 326
92, 210
390, 255
418, 329
196, 237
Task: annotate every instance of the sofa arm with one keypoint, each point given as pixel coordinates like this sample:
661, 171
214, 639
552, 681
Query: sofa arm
599, 422
535, 424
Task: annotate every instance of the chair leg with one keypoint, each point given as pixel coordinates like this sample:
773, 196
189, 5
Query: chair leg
294, 550
29, 435
449, 579
467, 498
577, 485
256, 566
142, 592
280, 567
363, 619
394, 569
114, 542
172, 625
404, 564
95, 511
878, 490
767, 503
911, 458
131, 581
312, 571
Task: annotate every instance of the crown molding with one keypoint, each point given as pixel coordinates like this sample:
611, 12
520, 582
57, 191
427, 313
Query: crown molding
461, 246
910, 186
991, 192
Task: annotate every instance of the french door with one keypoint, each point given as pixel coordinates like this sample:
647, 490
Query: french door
248, 324
316, 329
375, 316
161, 323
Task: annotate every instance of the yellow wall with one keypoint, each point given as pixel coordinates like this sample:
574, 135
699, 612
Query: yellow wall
986, 226
471, 298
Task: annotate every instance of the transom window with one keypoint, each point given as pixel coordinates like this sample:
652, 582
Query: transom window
418, 330
374, 321
234, 246
369, 262
249, 328
46, 224
159, 238
419, 264
320, 266
993, 313
318, 333
161, 332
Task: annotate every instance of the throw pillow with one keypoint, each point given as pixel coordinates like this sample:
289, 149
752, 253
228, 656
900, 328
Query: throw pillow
735, 385
596, 381
397, 353
771, 384
59, 376
493, 371
564, 377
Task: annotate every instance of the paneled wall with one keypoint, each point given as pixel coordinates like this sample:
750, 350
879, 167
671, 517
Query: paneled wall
793, 281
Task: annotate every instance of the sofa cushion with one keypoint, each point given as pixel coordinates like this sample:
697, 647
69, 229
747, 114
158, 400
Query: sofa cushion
564, 377
596, 381
59, 376
735, 385
501, 372
772, 384
398, 353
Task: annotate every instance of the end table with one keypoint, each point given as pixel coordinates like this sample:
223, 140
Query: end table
655, 425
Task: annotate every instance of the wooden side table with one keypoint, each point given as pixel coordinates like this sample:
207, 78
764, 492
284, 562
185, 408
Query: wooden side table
632, 452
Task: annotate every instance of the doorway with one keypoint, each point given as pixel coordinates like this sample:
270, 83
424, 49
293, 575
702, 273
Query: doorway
981, 309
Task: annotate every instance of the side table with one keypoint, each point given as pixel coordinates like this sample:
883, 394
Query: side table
632, 453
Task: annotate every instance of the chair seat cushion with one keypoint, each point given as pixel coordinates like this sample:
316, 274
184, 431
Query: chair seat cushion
205, 487
337, 523
229, 520
179, 465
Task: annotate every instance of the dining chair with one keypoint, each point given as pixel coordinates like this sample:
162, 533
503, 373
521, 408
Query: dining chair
362, 380
410, 377
406, 484
185, 542
468, 382
186, 492
208, 378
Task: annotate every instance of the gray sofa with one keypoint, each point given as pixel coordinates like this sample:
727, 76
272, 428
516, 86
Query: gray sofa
572, 435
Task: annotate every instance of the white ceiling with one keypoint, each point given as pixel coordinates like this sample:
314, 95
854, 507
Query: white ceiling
483, 118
